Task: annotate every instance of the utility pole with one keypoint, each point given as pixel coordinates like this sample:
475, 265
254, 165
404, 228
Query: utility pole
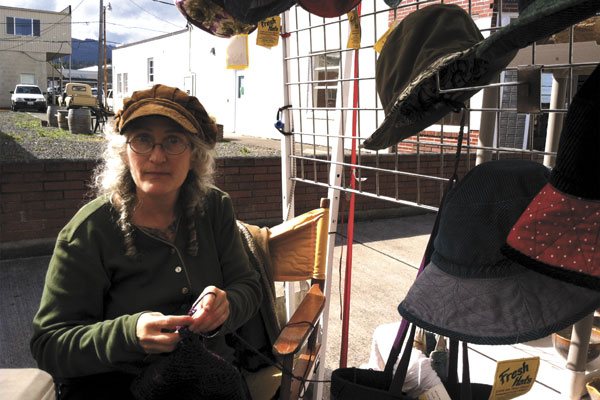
105, 75
100, 52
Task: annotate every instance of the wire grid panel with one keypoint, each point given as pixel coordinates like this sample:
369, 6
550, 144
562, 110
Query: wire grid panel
321, 72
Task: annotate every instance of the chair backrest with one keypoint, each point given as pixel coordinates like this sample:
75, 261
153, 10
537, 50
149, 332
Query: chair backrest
298, 247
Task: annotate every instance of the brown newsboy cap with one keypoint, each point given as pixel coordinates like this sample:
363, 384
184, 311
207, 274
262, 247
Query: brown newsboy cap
172, 103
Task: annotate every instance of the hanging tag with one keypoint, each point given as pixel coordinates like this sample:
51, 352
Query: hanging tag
268, 32
237, 52
438, 392
354, 35
381, 41
514, 377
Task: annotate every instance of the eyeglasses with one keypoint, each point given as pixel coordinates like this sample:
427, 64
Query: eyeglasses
144, 144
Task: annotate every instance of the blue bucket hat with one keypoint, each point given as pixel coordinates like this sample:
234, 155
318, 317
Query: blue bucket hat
470, 291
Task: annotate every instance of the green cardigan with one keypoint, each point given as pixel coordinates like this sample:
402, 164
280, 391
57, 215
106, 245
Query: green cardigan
94, 294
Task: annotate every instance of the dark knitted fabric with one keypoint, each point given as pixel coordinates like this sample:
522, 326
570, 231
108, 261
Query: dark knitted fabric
576, 170
190, 372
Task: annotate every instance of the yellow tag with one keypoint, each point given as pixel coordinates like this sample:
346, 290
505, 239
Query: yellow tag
354, 36
514, 377
268, 32
236, 56
438, 392
381, 41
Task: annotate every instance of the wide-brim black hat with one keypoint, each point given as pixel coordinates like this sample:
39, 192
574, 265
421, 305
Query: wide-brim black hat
425, 40
470, 291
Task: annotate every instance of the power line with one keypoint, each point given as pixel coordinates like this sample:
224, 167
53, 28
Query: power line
108, 23
149, 13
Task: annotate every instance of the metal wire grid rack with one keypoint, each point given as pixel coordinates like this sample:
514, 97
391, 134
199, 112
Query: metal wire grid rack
332, 106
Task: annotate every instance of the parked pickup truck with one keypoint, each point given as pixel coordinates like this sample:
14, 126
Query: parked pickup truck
27, 97
78, 95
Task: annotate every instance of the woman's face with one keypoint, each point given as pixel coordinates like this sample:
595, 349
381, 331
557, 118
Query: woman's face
157, 173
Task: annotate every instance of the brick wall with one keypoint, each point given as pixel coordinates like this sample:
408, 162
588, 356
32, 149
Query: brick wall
38, 198
479, 8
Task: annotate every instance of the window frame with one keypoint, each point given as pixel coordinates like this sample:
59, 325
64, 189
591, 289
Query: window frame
321, 70
31, 25
150, 69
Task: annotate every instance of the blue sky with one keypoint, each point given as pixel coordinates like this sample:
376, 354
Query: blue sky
129, 21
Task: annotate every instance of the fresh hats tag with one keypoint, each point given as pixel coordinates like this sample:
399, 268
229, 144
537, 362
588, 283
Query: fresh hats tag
438, 392
268, 32
381, 41
514, 378
354, 36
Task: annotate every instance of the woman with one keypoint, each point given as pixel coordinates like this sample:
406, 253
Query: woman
129, 265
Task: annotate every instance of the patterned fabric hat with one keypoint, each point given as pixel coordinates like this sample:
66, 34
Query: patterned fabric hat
559, 232
212, 18
470, 291
425, 41
328, 8
254, 11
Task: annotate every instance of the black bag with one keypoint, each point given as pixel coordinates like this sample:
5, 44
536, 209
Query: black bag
191, 371
360, 384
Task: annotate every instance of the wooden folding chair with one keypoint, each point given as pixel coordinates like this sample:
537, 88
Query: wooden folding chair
295, 250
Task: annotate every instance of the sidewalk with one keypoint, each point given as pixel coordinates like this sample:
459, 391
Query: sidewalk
386, 257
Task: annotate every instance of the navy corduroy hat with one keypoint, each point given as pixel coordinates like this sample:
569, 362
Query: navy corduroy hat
470, 291
559, 232
254, 11
328, 8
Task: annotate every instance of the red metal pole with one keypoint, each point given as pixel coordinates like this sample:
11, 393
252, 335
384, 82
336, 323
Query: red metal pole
350, 229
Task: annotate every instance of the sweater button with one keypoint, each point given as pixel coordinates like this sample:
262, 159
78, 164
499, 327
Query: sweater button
178, 269
172, 251
185, 290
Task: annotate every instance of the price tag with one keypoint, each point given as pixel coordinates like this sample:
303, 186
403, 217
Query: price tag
268, 32
236, 56
354, 35
381, 41
514, 378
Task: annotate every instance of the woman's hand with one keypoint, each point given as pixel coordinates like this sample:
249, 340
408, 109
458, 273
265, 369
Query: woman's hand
157, 333
211, 312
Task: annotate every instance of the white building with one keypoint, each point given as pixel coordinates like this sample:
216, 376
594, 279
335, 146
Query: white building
244, 101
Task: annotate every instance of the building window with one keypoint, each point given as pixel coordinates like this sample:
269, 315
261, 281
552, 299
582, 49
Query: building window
119, 83
125, 84
326, 71
22, 26
150, 70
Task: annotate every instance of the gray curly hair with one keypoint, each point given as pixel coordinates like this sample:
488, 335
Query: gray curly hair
112, 178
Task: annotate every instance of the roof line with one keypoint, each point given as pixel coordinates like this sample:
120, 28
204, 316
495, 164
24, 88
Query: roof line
151, 39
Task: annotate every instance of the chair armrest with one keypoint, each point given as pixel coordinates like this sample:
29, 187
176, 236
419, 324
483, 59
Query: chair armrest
301, 324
